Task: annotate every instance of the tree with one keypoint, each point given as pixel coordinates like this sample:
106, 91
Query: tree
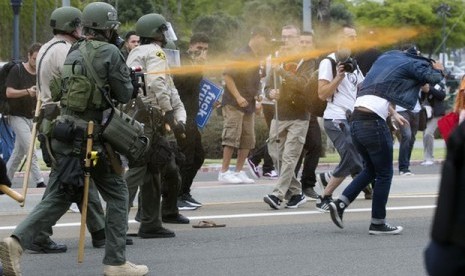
415, 13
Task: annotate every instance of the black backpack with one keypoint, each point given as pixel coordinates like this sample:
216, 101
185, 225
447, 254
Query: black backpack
314, 104
4, 71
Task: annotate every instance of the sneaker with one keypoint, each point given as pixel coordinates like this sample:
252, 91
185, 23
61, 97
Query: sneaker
296, 201
271, 174
337, 210
406, 173
189, 199
322, 203
253, 168
244, 178
427, 163
323, 179
41, 185
384, 229
228, 177
273, 201
186, 206
127, 269
310, 192
10, 255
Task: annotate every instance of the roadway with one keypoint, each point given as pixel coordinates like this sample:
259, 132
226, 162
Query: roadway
258, 240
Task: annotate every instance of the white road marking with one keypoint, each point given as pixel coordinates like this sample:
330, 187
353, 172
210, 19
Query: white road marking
253, 215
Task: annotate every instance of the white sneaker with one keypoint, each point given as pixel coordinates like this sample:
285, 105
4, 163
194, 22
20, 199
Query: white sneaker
229, 177
127, 269
427, 163
244, 178
10, 256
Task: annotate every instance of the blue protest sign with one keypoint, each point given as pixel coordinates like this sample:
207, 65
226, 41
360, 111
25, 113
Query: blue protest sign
209, 94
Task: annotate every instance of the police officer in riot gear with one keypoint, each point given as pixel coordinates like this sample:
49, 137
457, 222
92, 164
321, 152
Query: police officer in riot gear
85, 84
67, 29
162, 98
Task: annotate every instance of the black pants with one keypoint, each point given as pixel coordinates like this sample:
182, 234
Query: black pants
262, 153
310, 154
192, 148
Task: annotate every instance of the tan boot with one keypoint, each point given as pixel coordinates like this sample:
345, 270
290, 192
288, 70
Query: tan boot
10, 254
127, 269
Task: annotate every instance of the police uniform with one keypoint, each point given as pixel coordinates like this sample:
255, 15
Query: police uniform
111, 70
162, 96
50, 64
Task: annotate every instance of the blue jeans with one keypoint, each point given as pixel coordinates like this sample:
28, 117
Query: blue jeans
407, 138
373, 140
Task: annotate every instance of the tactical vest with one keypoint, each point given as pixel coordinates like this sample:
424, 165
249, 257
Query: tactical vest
81, 89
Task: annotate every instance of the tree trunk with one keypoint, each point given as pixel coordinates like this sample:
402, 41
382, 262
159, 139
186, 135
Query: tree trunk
323, 14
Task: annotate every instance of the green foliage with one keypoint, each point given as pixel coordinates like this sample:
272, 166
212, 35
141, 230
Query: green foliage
415, 13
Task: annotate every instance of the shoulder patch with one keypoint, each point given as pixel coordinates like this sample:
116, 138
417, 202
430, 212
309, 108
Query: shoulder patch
161, 55
124, 70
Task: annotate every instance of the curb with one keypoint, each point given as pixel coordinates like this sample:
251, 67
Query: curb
216, 167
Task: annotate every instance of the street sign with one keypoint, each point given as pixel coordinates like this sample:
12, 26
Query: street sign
209, 94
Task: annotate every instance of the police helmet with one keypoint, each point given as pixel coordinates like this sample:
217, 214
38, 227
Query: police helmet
100, 16
65, 19
149, 24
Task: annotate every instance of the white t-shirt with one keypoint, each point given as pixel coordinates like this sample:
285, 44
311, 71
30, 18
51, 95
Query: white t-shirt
416, 109
344, 98
378, 105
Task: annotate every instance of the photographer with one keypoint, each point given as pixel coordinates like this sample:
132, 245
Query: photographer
338, 78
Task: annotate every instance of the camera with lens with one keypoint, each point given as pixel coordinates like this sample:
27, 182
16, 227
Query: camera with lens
349, 65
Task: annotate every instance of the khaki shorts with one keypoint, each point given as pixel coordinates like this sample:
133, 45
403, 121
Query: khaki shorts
238, 128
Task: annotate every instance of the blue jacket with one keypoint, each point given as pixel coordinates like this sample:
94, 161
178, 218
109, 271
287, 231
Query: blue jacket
397, 77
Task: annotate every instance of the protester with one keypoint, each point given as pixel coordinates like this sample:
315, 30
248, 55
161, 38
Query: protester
100, 22
313, 145
338, 79
188, 86
407, 72
21, 92
241, 91
290, 125
131, 41
434, 97
445, 253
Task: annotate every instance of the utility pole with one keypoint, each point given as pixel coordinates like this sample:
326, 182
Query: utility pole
307, 15
16, 5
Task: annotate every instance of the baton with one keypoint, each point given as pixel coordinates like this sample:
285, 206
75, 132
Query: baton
30, 152
85, 198
11, 193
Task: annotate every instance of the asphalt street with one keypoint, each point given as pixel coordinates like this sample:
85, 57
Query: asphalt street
258, 240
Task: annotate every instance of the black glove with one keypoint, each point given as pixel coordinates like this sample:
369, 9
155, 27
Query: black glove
136, 85
169, 119
180, 130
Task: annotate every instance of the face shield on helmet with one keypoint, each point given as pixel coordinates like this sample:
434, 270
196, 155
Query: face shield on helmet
172, 54
173, 57
168, 32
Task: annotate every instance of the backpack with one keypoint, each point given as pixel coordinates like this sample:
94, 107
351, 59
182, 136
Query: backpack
314, 104
4, 71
